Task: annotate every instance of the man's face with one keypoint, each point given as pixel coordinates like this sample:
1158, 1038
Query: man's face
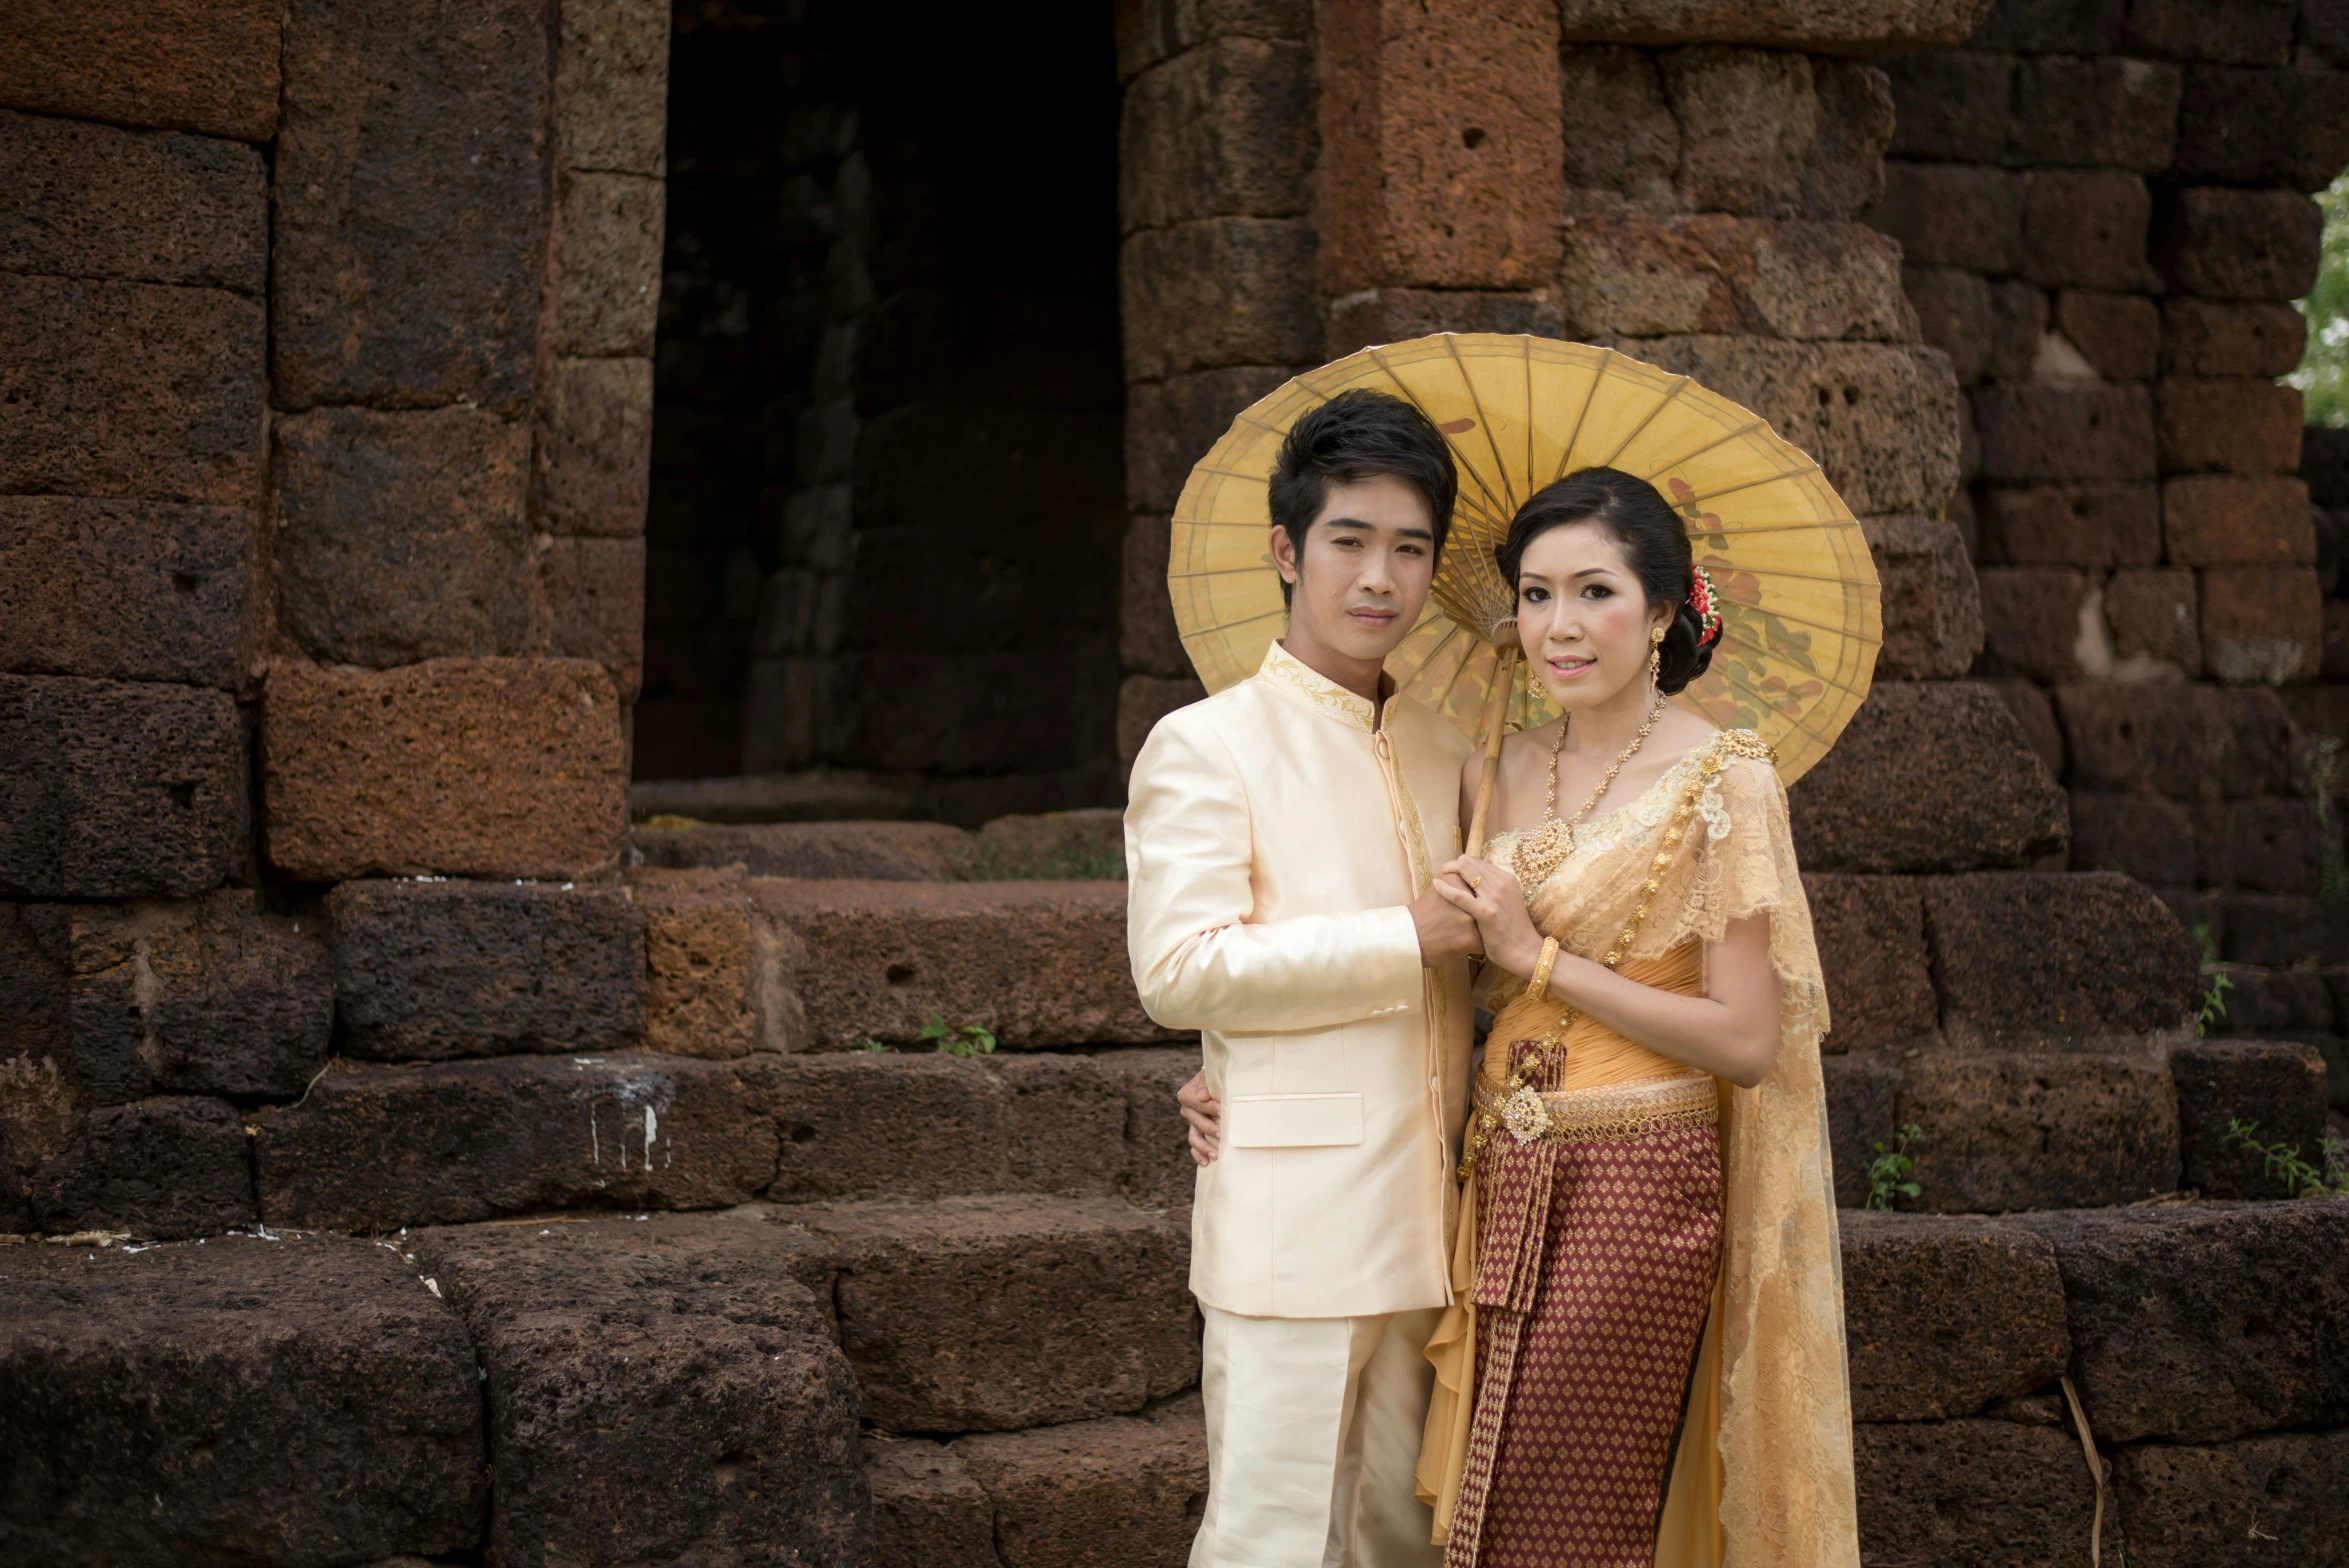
1362, 580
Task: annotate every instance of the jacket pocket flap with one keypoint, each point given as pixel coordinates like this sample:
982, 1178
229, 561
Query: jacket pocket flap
1292, 1121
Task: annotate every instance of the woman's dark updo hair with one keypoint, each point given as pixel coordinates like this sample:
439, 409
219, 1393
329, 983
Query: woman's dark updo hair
1655, 544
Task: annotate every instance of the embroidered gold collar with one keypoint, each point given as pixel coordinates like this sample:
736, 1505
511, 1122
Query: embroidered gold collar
1292, 675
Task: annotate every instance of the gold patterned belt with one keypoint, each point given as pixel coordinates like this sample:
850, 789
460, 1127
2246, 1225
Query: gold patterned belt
1614, 1113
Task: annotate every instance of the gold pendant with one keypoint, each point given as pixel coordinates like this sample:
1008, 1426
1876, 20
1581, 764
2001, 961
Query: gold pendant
1542, 851
1524, 1114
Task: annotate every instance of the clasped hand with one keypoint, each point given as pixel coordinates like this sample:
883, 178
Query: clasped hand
1490, 896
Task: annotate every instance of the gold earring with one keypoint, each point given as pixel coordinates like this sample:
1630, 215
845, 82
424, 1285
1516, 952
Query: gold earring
1655, 652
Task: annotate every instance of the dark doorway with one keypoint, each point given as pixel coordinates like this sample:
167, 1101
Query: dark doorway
887, 484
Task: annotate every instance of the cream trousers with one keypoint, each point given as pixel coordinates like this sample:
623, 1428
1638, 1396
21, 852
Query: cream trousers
1313, 1430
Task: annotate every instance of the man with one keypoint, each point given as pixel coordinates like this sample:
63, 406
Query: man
1280, 841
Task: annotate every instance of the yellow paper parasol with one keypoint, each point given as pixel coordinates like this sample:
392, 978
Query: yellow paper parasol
1800, 616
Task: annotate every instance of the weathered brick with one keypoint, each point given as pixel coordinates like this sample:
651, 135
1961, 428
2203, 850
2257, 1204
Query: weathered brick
1121, 1488
720, 975
2275, 845
2018, 331
2153, 616
167, 1168
2277, 1003
2107, 958
1823, 29
607, 264
1149, 31
2186, 742
2103, 113
595, 605
1619, 88
2119, 334
403, 128
2065, 434
1170, 425
1971, 1492
1225, 130
2278, 1088
927, 1511
2004, 1131
1367, 316
1951, 104
823, 850
401, 536
1148, 642
1863, 1099
474, 767
2207, 1321
2272, 1501
1944, 1315
126, 590
1866, 806
374, 1148
1953, 215
2222, 520
591, 463
130, 390
2238, 245
2282, 126
1953, 315
113, 789
429, 970
612, 85
2141, 836
91, 201
1872, 947
2085, 228
2235, 32
1142, 700
1081, 1302
1777, 134
186, 1375
1931, 604
2031, 621
2239, 427
2028, 704
2202, 337
1406, 194
2262, 624
1643, 275
657, 1388
2072, 525
196, 65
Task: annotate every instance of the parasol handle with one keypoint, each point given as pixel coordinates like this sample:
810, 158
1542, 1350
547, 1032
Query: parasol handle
1496, 710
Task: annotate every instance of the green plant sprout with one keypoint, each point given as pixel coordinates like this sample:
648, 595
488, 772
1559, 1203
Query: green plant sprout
2283, 1161
2214, 994
1890, 1171
960, 1040
865, 1042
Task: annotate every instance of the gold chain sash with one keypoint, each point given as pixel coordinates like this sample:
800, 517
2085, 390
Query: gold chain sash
1613, 1113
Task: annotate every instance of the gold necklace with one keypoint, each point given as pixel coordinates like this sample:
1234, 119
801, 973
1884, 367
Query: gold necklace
1545, 848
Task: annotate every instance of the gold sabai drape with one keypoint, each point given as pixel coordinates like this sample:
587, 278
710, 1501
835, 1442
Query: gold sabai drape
1763, 1477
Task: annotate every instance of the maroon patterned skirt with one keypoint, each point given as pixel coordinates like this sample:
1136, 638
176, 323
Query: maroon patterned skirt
1598, 1259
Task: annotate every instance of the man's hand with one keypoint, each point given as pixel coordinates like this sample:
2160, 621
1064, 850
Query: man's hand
1204, 1114
1444, 932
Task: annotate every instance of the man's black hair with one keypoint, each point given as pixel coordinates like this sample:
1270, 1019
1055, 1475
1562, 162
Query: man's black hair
1354, 436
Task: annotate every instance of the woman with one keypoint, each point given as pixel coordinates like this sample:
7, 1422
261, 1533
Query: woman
1646, 1361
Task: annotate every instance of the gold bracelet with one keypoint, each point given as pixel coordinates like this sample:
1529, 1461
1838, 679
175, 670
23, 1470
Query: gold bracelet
1539, 987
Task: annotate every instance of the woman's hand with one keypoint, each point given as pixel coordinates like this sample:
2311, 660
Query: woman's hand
1205, 1114
1489, 894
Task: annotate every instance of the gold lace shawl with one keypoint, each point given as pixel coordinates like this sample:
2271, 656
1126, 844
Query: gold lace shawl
1773, 1489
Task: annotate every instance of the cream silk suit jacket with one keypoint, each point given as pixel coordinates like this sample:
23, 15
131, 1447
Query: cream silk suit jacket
1274, 834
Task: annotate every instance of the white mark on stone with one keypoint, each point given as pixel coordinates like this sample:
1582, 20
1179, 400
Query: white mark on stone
595, 1144
432, 1285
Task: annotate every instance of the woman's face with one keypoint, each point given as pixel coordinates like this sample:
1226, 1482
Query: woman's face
1582, 615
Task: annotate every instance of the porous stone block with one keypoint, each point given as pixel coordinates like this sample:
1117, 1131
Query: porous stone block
1953, 315
2187, 742
927, 1511
1159, 1171
592, 461
595, 605
1154, 30
2155, 618
2031, 621
2271, 845
1777, 135
2235, 32
1038, 963
2032, 710
2141, 836
1148, 642
1170, 424
400, 536
2276, 1086
658, 1388
2220, 244
2095, 113
862, 1124
2262, 625
1631, 272
2118, 334
1142, 700
2018, 317
1871, 935
1863, 1096
184, 1376
196, 65
2105, 957
2007, 1131
2277, 1003
126, 590
1222, 291
2201, 337
607, 264
1880, 418
1944, 1314
867, 851
1971, 1494
2232, 427
403, 127
1931, 604
481, 767
2229, 520
2072, 525
1082, 1303
374, 1148
1219, 131
114, 789
2205, 1322
1952, 105
1953, 215
91, 201
1413, 190
2279, 126
612, 85
214, 995
1368, 316
1620, 88
2270, 1501
1820, 26
717, 973
2066, 434
132, 390
1894, 796
2064, 27
1095, 1494
1065, 1120
168, 1168
429, 970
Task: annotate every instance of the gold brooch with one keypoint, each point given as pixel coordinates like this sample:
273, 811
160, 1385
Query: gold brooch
1524, 1114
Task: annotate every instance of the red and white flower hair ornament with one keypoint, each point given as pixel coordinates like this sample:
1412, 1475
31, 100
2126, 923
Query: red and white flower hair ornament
1707, 604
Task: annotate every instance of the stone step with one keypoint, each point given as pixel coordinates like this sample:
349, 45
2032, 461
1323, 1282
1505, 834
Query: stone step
1059, 846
